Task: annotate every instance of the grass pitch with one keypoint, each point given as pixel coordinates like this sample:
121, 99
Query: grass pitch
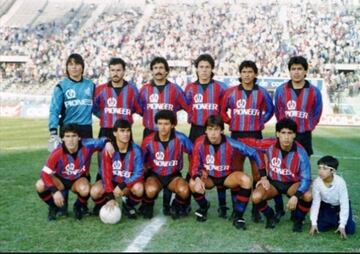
23, 216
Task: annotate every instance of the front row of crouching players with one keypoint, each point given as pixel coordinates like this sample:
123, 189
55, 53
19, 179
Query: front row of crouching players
163, 158
212, 166
121, 174
67, 168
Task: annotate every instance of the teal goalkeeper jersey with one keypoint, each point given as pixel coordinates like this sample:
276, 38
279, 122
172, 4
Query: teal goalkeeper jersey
71, 102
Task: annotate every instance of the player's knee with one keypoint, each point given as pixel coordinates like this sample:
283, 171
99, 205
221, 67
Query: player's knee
307, 197
95, 191
138, 190
151, 191
40, 186
183, 191
256, 197
84, 190
246, 181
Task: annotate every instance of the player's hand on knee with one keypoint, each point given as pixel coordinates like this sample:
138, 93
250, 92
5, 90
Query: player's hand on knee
58, 199
199, 186
342, 232
313, 230
264, 182
291, 205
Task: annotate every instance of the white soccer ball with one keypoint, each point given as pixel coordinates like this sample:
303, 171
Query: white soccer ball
110, 215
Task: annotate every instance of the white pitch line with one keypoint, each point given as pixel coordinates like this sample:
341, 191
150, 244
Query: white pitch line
140, 242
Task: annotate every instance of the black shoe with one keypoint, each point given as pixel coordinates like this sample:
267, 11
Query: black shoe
52, 212
256, 216
278, 215
201, 213
80, 210
270, 220
96, 210
175, 210
166, 210
147, 211
239, 223
297, 227
222, 211
292, 216
63, 211
129, 211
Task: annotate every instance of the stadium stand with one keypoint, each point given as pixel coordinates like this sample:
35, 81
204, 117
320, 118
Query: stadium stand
47, 31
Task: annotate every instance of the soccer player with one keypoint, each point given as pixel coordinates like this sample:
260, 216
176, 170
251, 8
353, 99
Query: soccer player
122, 173
250, 108
72, 100
115, 99
301, 101
163, 152
288, 172
204, 96
67, 168
331, 207
160, 94
212, 165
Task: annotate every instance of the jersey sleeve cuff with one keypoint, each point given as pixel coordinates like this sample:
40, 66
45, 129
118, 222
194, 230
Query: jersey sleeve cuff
262, 172
298, 194
53, 131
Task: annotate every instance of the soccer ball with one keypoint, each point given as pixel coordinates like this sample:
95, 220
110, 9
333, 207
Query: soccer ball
110, 216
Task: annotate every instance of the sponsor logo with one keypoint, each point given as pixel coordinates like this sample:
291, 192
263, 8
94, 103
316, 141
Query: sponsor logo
154, 98
111, 102
71, 170
198, 98
275, 166
291, 105
241, 103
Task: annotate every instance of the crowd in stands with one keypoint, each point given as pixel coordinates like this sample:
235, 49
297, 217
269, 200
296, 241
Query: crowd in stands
268, 33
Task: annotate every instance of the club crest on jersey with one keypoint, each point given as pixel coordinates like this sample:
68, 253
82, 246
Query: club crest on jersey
111, 102
198, 98
210, 159
70, 94
88, 91
241, 103
159, 156
291, 105
154, 98
276, 162
117, 165
71, 170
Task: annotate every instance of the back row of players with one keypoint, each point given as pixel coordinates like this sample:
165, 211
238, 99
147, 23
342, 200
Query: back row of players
140, 173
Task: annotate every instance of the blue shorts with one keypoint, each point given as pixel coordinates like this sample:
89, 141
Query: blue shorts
328, 218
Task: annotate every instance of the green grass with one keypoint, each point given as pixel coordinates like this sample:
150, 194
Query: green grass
24, 226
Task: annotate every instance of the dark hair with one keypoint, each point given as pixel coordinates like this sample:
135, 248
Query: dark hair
77, 59
167, 115
298, 60
329, 160
214, 120
71, 127
207, 58
162, 60
123, 124
286, 123
117, 60
248, 64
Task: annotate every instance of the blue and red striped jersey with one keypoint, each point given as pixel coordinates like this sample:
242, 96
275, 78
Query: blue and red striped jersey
204, 102
69, 166
167, 160
292, 166
126, 169
218, 161
110, 106
305, 109
248, 112
153, 99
